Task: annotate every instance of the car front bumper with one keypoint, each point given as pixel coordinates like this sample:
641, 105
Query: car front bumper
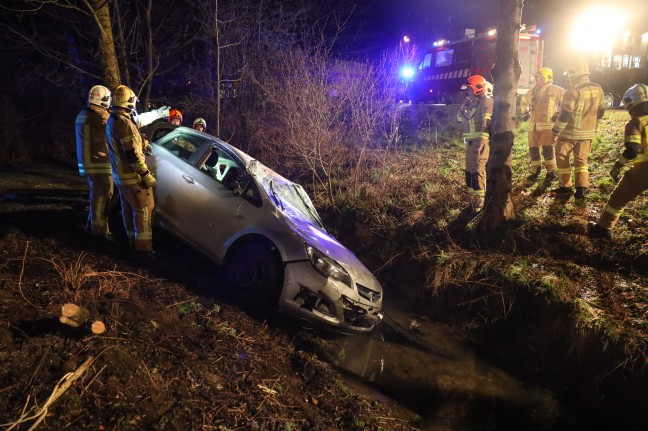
309, 295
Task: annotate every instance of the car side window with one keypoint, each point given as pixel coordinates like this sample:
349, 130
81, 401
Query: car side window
182, 146
227, 171
221, 166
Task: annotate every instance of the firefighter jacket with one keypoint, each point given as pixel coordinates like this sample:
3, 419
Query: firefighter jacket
92, 149
126, 149
542, 103
636, 137
581, 108
475, 116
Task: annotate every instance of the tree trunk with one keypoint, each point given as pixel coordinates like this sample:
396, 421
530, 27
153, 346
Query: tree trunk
506, 73
148, 83
123, 59
106, 43
217, 70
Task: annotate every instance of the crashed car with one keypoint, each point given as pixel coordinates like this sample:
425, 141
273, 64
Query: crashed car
261, 228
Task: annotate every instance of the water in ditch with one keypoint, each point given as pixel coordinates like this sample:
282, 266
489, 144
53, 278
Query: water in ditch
446, 380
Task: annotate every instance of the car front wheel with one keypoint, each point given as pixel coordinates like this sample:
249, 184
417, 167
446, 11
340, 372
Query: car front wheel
254, 275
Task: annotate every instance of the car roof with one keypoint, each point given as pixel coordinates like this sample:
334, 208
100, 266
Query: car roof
151, 129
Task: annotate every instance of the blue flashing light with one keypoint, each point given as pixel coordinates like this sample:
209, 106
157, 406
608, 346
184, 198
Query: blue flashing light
407, 72
538, 31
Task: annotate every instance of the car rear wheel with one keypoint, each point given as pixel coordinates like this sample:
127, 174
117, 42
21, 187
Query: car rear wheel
254, 276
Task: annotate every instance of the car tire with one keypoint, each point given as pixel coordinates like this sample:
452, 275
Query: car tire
254, 276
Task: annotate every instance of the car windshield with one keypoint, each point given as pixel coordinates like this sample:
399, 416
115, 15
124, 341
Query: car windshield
288, 196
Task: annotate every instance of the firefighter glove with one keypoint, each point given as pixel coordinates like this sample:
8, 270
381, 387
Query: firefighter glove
148, 179
163, 112
615, 171
525, 116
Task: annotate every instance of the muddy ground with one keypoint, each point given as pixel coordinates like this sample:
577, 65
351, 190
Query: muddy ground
175, 355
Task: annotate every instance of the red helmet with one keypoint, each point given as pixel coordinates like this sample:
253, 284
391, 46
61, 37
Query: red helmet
175, 113
477, 83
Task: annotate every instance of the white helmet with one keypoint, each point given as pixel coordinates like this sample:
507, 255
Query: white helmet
489, 89
200, 120
635, 95
576, 69
125, 98
100, 96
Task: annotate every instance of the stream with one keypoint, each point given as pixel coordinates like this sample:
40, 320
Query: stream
444, 379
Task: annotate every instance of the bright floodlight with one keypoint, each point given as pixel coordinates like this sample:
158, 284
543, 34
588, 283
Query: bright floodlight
406, 39
596, 29
407, 72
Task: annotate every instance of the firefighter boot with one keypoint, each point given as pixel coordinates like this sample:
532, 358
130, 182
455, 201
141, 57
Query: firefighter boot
551, 175
533, 177
563, 191
595, 230
581, 192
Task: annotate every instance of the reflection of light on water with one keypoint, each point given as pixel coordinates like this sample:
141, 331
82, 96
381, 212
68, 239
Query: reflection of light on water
442, 389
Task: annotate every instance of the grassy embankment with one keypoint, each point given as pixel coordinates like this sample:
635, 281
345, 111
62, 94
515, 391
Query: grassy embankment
413, 202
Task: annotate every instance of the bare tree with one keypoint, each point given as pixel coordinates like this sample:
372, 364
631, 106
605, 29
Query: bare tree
94, 12
499, 206
106, 44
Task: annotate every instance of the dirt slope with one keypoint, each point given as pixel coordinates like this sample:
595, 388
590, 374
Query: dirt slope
175, 356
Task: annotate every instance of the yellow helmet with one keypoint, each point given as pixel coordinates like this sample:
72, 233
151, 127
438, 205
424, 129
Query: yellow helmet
635, 95
100, 96
576, 69
124, 98
546, 73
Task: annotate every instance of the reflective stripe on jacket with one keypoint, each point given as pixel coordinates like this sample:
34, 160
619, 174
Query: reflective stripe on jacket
579, 108
475, 116
543, 103
638, 135
91, 146
123, 138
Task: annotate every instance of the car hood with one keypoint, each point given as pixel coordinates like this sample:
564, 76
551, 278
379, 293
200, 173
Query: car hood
330, 246
292, 202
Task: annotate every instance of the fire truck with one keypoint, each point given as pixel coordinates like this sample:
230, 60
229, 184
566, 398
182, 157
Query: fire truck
442, 69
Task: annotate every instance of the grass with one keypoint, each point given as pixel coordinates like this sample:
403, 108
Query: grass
414, 201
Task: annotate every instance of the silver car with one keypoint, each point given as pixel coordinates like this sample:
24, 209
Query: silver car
262, 228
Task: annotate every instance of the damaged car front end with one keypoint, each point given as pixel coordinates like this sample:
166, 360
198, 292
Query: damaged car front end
262, 228
328, 284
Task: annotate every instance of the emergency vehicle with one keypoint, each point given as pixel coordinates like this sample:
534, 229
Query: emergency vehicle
442, 69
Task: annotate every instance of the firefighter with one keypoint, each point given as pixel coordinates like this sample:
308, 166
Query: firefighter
93, 160
581, 108
475, 115
175, 117
539, 105
200, 124
132, 177
635, 180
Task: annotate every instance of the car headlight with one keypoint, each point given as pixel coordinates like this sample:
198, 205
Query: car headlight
327, 266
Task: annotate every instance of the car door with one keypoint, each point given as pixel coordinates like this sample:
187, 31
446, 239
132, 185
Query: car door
198, 200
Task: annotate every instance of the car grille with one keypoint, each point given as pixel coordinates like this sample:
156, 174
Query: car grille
368, 294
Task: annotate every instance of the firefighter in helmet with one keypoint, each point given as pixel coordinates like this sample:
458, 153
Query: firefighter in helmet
635, 180
539, 106
475, 115
175, 117
581, 108
132, 176
200, 124
93, 160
